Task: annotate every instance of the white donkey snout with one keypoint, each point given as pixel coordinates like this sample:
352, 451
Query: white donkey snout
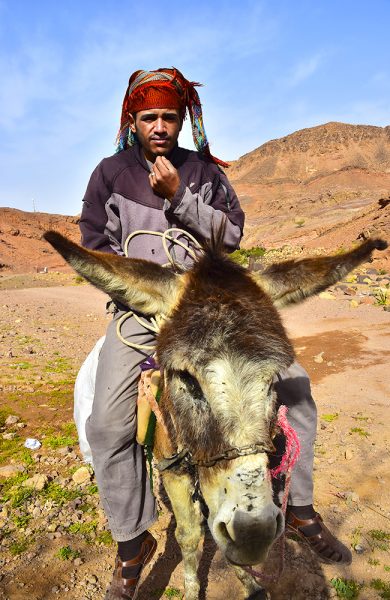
247, 536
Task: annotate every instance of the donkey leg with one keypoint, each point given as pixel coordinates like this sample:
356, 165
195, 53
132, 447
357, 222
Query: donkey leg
253, 591
188, 527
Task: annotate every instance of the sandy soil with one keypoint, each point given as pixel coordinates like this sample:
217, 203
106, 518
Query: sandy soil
346, 352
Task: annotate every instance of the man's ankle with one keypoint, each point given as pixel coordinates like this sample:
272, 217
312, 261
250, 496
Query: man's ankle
302, 512
129, 550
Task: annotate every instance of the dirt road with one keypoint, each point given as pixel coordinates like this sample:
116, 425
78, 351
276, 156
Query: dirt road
45, 335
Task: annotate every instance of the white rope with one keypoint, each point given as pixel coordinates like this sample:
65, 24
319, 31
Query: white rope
155, 322
164, 237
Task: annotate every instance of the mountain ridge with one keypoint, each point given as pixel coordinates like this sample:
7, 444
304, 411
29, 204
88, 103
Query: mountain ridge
319, 187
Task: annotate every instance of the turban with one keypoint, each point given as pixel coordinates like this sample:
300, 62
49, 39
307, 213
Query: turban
164, 88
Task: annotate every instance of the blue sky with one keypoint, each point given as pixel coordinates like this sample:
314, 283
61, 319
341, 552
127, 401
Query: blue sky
269, 68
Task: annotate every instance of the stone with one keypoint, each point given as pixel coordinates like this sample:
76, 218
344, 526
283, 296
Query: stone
349, 291
11, 420
361, 279
354, 303
349, 454
11, 470
368, 300
359, 549
64, 451
318, 358
341, 288
82, 475
78, 562
9, 436
37, 482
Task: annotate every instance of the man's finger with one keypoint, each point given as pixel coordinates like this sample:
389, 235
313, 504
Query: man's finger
167, 163
161, 162
158, 168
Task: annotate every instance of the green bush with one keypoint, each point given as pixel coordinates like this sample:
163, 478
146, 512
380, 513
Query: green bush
243, 255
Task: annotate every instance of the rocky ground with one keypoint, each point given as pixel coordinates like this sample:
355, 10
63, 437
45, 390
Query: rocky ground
54, 539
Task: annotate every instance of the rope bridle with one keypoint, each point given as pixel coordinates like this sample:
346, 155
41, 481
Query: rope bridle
228, 454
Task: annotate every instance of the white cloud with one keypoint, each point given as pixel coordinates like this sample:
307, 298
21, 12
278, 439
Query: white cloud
304, 69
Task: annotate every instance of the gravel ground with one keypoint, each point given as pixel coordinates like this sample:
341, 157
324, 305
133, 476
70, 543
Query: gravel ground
54, 538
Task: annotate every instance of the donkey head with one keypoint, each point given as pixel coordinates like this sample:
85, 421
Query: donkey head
220, 348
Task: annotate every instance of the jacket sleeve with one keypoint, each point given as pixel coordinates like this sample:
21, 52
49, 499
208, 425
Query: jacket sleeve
94, 217
215, 204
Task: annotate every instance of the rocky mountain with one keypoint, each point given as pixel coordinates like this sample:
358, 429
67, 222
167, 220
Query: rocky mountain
22, 248
325, 187
322, 186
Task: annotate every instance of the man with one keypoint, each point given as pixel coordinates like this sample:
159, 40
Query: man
151, 184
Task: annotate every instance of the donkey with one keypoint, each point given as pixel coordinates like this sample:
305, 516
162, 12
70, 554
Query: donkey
219, 349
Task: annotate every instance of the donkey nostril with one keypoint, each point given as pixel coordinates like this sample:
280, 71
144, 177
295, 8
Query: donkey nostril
223, 530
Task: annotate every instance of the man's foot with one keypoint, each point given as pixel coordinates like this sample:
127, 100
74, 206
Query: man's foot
322, 542
126, 589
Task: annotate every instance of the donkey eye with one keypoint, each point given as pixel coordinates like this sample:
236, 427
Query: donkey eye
192, 385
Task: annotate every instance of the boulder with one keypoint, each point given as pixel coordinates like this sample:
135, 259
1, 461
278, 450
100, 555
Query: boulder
81, 475
11, 470
37, 482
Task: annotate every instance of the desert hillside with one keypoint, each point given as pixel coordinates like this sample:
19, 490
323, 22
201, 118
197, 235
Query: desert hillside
322, 187
22, 248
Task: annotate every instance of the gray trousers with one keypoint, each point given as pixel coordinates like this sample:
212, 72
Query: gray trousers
119, 461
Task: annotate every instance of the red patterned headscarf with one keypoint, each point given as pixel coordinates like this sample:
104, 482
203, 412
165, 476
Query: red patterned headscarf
164, 88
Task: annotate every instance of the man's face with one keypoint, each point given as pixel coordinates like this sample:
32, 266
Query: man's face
157, 130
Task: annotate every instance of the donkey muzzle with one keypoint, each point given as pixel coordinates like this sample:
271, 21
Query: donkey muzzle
246, 537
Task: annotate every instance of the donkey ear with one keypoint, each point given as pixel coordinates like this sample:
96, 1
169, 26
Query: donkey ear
292, 281
142, 285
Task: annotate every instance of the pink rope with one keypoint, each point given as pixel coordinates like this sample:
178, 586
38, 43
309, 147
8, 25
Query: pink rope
290, 457
291, 454
293, 446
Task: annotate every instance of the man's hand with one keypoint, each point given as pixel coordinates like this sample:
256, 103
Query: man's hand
164, 178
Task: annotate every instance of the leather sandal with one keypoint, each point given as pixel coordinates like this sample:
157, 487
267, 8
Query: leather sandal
127, 589
327, 547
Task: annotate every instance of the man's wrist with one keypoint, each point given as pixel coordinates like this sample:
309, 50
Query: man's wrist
177, 198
